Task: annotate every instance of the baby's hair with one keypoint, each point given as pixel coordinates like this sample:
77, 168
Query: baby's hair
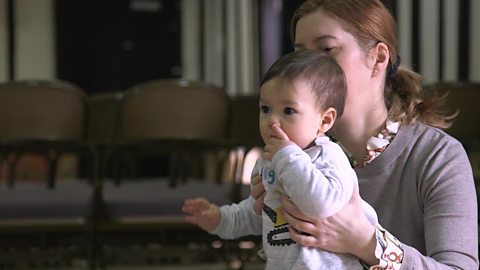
322, 73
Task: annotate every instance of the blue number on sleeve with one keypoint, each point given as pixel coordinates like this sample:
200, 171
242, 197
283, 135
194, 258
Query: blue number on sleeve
271, 176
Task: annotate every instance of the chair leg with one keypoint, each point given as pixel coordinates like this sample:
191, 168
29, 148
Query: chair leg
239, 155
123, 166
12, 162
53, 161
175, 169
221, 160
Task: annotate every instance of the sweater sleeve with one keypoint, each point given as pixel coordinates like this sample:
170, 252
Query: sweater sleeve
319, 188
239, 220
447, 191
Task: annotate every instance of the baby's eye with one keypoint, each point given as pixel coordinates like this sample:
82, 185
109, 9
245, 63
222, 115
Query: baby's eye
289, 111
264, 109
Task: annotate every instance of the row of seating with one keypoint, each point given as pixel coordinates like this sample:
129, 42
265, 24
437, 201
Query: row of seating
53, 117
174, 118
177, 119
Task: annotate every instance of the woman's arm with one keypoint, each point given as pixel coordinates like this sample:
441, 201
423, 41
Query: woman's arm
446, 193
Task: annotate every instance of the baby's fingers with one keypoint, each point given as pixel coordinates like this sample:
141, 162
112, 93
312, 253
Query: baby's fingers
195, 205
279, 133
191, 219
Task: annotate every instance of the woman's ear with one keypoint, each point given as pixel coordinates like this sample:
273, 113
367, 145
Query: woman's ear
327, 120
382, 57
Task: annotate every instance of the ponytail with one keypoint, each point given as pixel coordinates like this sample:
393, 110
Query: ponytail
408, 102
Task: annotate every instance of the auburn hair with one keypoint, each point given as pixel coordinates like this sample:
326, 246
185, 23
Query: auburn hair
370, 22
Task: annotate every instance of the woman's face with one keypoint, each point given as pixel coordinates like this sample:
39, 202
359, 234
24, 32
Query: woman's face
320, 31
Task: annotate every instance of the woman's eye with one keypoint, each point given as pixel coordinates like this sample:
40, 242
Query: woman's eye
264, 109
326, 49
289, 111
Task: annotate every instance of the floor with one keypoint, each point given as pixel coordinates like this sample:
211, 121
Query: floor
128, 251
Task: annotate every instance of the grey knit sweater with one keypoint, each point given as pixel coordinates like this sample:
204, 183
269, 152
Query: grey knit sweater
423, 191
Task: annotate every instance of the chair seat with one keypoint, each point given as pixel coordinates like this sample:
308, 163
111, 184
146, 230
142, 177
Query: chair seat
70, 202
155, 200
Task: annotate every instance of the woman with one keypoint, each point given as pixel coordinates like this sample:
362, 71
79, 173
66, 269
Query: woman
417, 177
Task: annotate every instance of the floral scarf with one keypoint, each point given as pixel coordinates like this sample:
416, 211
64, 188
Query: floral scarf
376, 144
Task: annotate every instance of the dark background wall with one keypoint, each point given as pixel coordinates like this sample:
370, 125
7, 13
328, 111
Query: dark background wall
110, 45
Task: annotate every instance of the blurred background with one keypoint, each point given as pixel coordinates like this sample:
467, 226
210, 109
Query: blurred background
111, 45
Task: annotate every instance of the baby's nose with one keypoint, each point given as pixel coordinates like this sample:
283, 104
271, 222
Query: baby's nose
274, 124
273, 121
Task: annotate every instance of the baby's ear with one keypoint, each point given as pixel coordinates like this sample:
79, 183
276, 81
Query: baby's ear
327, 120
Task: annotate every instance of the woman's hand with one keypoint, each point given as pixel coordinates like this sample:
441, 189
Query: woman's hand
258, 193
348, 231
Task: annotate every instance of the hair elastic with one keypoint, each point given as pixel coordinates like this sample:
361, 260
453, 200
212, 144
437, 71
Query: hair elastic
394, 69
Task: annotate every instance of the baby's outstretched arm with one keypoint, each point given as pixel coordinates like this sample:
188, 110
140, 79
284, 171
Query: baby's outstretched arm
201, 212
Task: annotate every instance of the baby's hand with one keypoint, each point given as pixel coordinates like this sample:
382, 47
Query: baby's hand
276, 142
202, 213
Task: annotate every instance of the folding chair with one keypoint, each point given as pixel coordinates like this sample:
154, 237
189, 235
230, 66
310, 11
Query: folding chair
45, 118
179, 120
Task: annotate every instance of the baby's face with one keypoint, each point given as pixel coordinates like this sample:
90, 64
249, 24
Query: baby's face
293, 107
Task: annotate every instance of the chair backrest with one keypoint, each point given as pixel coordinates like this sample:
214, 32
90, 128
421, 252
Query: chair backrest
244, 127
103, 117
464, 97
174, 109
41, 110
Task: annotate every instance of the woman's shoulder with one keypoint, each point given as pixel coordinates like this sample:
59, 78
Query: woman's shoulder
430, 142
418, 143
421, 133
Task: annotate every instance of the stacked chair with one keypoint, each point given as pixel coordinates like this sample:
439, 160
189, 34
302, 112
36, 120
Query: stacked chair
45, 223
245, 142
244, 136
103, 123
141, 219
110, 215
